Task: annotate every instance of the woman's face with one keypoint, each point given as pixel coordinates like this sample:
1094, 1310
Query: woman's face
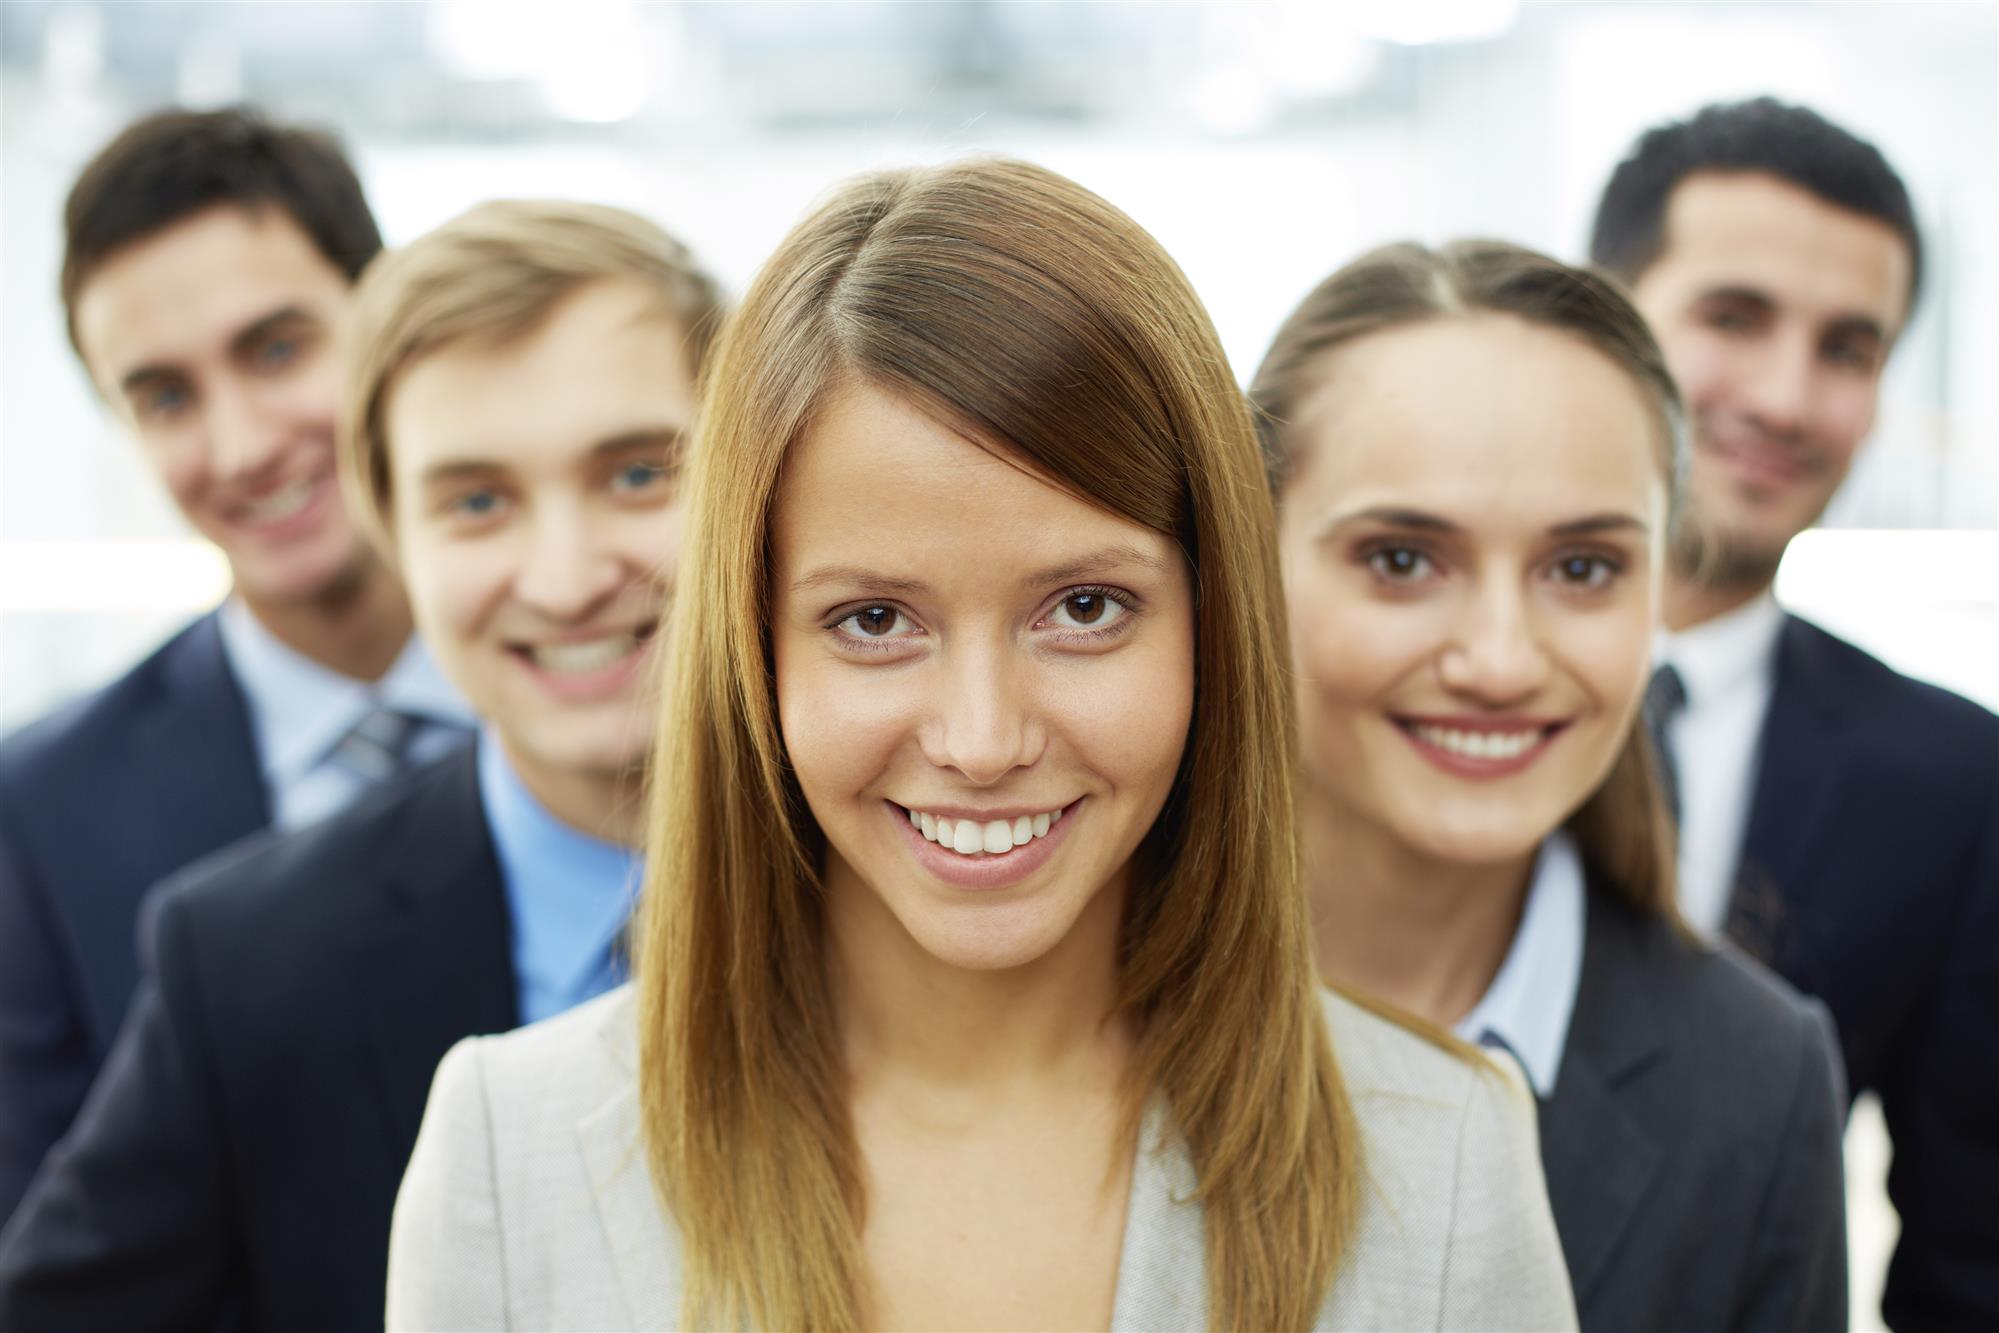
1471, 545
985, 684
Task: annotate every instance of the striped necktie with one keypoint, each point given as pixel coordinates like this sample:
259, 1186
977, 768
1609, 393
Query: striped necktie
378, 746
1665, 697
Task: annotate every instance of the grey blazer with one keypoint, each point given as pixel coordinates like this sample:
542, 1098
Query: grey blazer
1693, 1139
528, 1203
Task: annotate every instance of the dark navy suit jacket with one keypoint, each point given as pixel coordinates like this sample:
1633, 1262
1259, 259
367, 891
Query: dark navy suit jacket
1871, 880
237, 1162
98, 803
1692, 1140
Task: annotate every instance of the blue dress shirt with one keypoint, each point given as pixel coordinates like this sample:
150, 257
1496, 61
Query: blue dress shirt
568, 894
1526, 1010
299, 710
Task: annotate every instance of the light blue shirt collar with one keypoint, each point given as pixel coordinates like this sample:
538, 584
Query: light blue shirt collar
1528, 1006
299, 708
568, 894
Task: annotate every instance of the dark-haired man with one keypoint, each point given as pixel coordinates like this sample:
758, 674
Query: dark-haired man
208, 267
1836, 817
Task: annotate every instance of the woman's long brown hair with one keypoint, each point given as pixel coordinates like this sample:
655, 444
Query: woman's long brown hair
1624, 829
1030, 314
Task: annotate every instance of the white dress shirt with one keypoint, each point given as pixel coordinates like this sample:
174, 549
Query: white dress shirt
300, 710
1728, 666
1527, 1008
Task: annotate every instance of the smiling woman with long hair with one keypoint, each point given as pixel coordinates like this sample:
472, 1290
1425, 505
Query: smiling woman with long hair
973, 983
1473, 579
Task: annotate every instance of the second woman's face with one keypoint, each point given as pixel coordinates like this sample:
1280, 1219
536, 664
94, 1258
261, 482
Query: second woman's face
1471, 547
985, 683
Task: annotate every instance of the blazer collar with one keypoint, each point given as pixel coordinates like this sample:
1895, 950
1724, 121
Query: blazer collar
641, 1238
1797, 790
208, 785
1599, 1161
436, 964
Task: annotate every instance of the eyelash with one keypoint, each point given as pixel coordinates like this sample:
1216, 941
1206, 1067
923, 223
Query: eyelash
1128, 603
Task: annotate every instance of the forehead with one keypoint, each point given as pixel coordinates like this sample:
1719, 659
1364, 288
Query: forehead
1754, 231
875, 483
1486, 417
181, 293
605, 361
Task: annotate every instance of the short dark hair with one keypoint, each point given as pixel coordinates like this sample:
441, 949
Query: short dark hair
175, 163
1792, 143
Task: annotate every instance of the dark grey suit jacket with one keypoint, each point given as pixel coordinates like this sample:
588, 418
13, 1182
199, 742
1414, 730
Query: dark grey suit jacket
1692, 1143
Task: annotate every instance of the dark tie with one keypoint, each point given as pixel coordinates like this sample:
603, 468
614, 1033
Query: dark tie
378, 746
1664, 698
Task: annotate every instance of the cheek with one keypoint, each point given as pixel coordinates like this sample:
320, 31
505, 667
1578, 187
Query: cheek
1349, 650
1125, 715
454, 586
1846, 417
840, 722
180, 461
1609, 652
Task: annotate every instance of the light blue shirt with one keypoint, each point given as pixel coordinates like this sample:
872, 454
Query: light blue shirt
1527, 1008
568, 894
301, 709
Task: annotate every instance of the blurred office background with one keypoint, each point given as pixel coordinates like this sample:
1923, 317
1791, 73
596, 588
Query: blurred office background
1263, 143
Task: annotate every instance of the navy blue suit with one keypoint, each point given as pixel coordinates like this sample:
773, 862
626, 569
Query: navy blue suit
98, 803
237, 1163
1871, 880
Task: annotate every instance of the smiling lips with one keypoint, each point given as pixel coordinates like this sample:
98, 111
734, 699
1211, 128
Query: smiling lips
1479, 747
586, 668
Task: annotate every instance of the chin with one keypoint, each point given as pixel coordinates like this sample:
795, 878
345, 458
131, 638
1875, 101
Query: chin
1475, 842
988, 939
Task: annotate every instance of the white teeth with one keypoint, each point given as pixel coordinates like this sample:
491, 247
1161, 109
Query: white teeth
595, 655
1479, 744
281, 505
971, 837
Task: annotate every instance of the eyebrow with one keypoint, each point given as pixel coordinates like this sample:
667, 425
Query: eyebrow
239, 343
873, 583
1394, 516
624, 442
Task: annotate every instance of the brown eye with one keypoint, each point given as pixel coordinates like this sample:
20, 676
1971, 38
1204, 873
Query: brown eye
1085, 608
1088, 610
875, 620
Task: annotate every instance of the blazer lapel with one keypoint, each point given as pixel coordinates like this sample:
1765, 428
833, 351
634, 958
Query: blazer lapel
641, 1239
437, 966
1796, 799
207, 780
1162, 1280
1598, 1160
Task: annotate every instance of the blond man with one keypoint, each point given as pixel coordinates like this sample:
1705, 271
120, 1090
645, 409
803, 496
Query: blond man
519, 385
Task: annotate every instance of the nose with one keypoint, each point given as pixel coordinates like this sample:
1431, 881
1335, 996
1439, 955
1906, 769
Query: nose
566, 572
1496, 657
983, 723
244, 439
1778, 390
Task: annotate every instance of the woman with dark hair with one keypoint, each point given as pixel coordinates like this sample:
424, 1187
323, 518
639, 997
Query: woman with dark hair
1474, 451
973, 984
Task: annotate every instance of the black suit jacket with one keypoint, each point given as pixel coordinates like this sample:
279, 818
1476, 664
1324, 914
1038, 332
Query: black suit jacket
239, 1158
1692, 1142
1871, 880
99, 803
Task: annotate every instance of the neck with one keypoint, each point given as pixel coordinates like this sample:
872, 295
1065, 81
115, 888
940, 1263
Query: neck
1689, 602
607, 805
1426, 935
907, 1017
358, 627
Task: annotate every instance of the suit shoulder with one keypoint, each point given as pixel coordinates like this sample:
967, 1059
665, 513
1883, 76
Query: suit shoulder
272, 879
1376, 1054
563, 1066
55, 756
1946, 718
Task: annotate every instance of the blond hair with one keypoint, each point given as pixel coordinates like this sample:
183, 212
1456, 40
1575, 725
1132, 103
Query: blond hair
491, 275
1624, 830
1026, 311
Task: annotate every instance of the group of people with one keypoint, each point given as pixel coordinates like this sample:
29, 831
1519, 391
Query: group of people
912, 800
